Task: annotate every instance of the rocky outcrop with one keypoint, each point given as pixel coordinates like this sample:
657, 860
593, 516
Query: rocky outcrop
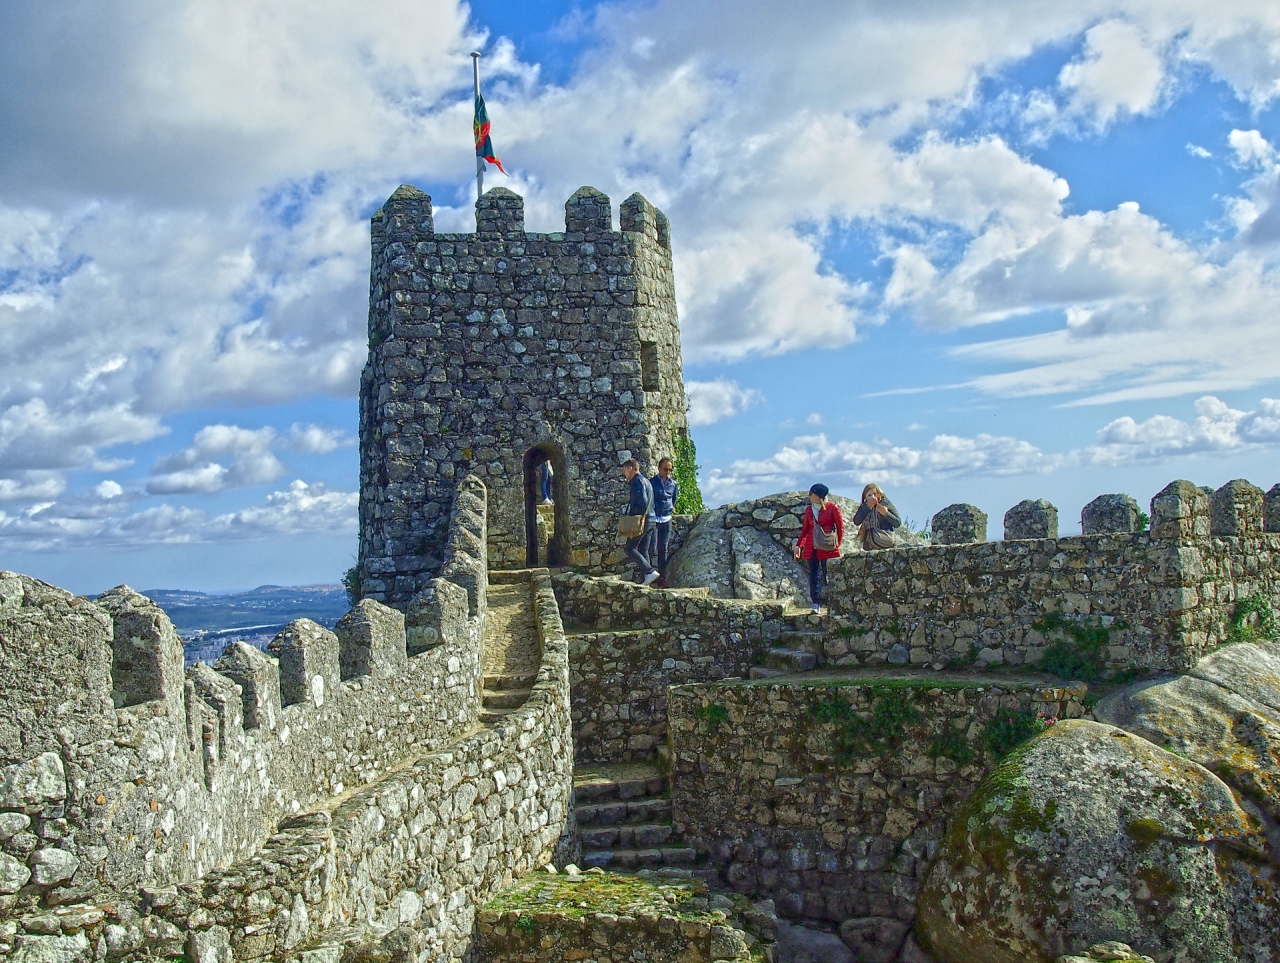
1160, 829
745, 550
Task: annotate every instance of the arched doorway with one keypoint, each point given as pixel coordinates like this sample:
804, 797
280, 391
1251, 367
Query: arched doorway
557, 544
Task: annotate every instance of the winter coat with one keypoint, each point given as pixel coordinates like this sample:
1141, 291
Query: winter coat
828, 516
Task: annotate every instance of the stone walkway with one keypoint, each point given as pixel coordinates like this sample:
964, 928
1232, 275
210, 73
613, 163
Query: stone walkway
512, 650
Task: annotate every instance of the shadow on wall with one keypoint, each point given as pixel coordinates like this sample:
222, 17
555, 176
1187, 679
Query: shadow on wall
555, 548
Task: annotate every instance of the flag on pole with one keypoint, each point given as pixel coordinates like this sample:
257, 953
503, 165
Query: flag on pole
484, 146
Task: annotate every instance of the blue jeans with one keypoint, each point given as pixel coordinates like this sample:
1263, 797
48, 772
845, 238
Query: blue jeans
661, 539
638, 548
817, 577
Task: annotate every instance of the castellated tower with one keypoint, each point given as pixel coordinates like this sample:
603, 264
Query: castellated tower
492, 353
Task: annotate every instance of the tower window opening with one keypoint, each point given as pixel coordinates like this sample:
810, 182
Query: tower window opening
649, 366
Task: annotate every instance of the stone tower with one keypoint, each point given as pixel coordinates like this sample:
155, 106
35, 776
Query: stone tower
492, 353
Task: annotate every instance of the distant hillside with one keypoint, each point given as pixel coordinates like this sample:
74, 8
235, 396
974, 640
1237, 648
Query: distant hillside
207, 623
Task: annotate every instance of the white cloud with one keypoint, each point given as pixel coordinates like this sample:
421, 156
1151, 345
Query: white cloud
1195, 150
1251, 147
1120, 72
312, 439
1217, 428
103, 520
194, 470
184, 193
712, 401
32, 485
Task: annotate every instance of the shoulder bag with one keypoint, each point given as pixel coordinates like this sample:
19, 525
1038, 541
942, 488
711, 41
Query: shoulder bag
823, 540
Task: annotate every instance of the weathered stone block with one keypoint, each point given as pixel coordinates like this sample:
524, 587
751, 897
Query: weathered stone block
52, 866
1236, 509
1032, 518
959, 523
258, 676
587, 212
1271, 509
371, 640
500, 211
210, 946
1110, 513
436, 614
1180, 511
30, 786
309, 663
407, 214
146, 650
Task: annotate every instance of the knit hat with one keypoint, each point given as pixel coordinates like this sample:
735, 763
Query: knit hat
820, 490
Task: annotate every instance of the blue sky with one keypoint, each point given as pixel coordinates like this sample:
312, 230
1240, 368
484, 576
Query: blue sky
984, 254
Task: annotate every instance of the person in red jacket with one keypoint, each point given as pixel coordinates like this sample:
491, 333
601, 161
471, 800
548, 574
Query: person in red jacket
815, 547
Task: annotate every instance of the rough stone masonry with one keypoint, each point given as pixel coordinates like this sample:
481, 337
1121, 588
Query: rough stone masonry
494, 352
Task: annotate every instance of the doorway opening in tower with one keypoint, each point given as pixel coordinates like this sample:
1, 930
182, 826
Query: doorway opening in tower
546, 506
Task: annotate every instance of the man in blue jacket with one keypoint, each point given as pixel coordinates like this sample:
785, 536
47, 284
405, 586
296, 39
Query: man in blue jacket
640, 503
665, 492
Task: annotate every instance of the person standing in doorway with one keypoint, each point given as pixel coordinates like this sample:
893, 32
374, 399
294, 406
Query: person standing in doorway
665, 492
821, 534
546, 474
640, 502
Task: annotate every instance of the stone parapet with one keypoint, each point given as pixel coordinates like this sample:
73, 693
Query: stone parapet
830, 795
1110, 513
1033, 518
163, 777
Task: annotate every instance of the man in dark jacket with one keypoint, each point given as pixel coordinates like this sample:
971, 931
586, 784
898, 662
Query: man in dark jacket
665, 493
640, 503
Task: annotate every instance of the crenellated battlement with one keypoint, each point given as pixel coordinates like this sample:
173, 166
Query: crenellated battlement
159, 775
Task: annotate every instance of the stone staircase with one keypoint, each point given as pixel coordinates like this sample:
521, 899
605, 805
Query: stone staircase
799, 647
504, 694
624, 820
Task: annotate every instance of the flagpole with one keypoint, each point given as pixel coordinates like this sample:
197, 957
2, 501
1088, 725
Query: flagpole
475, 65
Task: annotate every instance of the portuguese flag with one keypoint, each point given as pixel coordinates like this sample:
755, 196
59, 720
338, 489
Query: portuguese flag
484, 146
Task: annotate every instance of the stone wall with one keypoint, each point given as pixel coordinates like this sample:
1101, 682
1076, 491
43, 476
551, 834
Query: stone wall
494, 351
410, 857
599, 918
830, 795
145, 776
628, 645
1163, 597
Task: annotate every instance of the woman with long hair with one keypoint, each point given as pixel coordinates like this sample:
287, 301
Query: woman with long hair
876, 519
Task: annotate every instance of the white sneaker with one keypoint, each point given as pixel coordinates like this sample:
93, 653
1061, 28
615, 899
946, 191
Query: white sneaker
650, 578
817, 609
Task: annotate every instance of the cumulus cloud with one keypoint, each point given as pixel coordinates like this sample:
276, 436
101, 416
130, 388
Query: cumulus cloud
1120, 72
712, 401
312, 439
184, 193
102, 519
195, 470
1217, 428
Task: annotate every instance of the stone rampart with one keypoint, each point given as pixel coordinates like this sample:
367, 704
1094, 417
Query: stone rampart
628, 645
410, 857
1162, 598
144, 776
829, 795
491, 353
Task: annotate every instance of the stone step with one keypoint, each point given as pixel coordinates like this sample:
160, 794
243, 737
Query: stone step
509, 577
493, 683
490, 716
790, 660
640, 858
803, 640
641, 836
631, 782
631, 812
760, 672
506, 698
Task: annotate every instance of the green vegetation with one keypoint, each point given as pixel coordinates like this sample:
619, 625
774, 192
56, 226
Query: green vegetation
1145, 832
351, 582
1144, 521
712, 714
1080, 652
875, 733
1252, 621
951, 744
685, 469
525, 924
1010, 728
